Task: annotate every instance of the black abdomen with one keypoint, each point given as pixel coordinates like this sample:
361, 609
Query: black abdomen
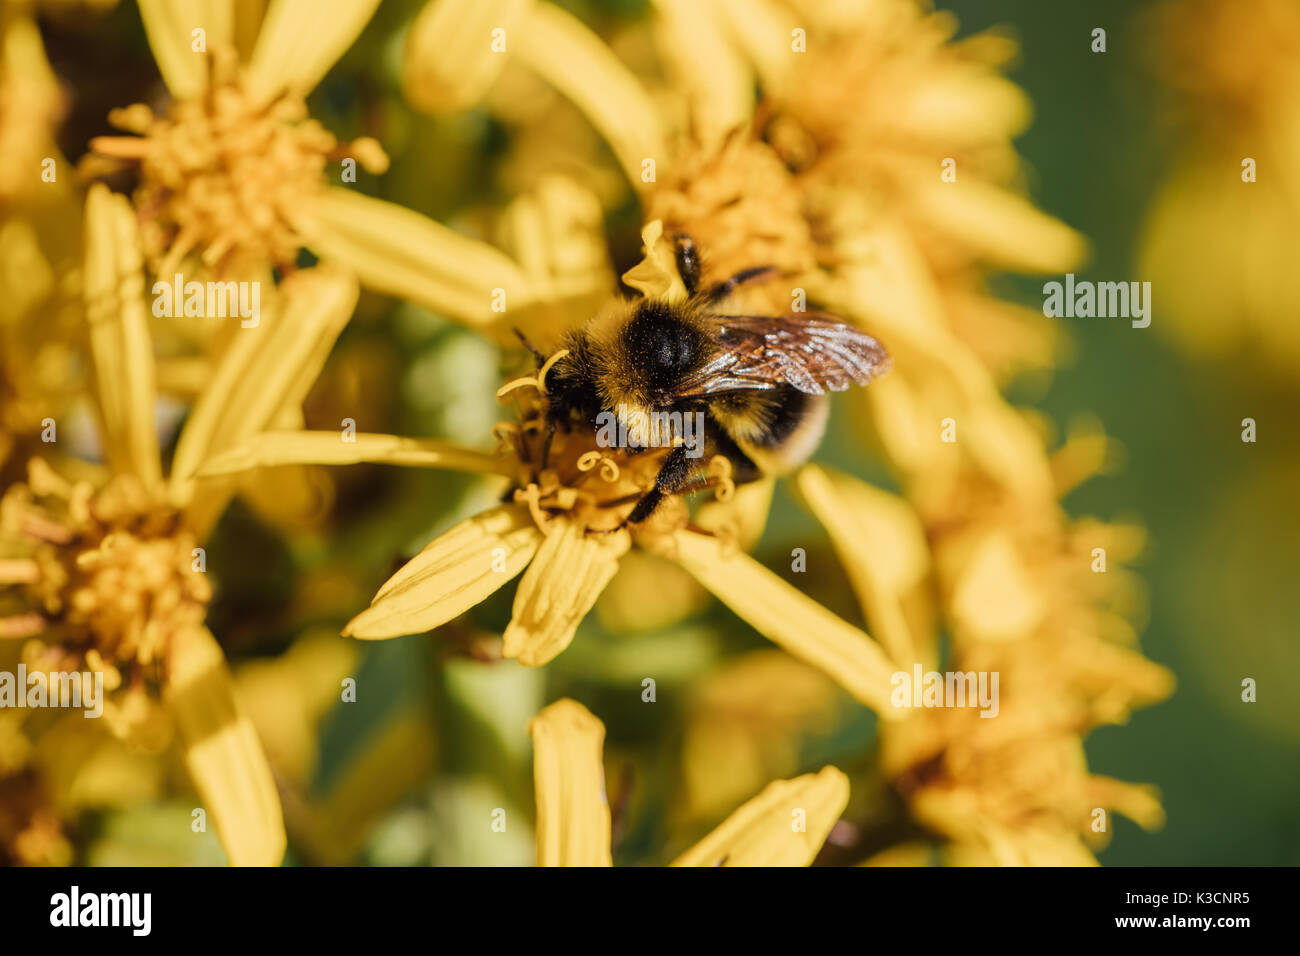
788, 409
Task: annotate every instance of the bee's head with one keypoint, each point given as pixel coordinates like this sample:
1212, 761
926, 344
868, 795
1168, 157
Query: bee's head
661, 343
571, 389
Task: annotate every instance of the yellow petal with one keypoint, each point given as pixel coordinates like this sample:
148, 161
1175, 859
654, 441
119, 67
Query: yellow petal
559, 588
881, 545
764, 30
453, 573
573, 823
1087, 451
183, 376
266, 368
790, 618
655, 276
743, 515
1004, 229
404, 254
1008, 448
291, 497
556, 46
273, 448
170, 26
450, 61
785, 825
994, 596
248, 23
556, 232
121, 347
964, 104
1027, 846
223, 753
300, 40
705, 66
1139, 802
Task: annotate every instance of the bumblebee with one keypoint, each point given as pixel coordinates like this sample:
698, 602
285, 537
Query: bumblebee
759, 382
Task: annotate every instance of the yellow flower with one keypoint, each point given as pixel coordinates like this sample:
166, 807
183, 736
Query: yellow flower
784, 825
864, 131
1016, 789
879, 177
226, 169
740, 204
563, 527
850, 207
234, 171
856, 225
890, 242
109, 570
457, 49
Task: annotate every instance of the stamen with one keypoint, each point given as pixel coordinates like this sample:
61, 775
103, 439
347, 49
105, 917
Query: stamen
537, 381
19, 571
21, 626
121, 147
720, 468
531, 495
541, 376
518, 383
41, 528
608, 467
506, 435
45, 481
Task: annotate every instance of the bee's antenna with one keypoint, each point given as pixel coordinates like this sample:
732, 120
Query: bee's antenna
541, 359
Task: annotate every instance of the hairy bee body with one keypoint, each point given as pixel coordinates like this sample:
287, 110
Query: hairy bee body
757, 383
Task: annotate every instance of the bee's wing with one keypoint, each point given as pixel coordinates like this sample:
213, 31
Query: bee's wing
812, 352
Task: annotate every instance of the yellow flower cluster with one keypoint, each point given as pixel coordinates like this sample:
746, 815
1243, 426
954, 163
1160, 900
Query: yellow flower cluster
872, 174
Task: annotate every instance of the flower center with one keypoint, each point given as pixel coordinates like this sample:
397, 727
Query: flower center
227, 174
572, 473
111, 575
738, 202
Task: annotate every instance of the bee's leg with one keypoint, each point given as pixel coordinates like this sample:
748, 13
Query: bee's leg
724, 289
550, 437
672, 475
688, 262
